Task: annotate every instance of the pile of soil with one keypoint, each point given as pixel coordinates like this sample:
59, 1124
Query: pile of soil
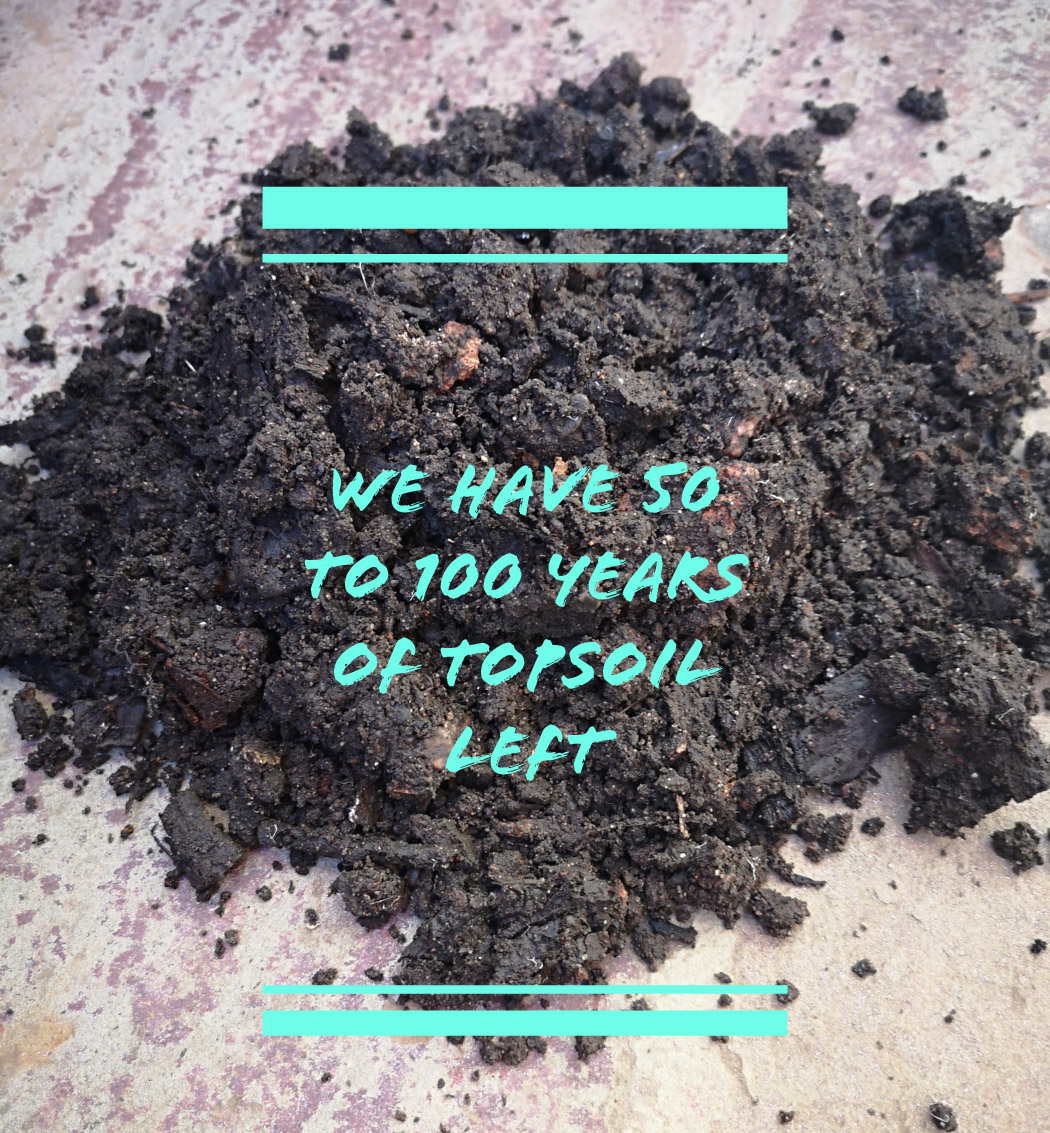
860, 403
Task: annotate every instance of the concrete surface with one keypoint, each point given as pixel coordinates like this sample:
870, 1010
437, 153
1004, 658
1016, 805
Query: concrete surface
122, 1016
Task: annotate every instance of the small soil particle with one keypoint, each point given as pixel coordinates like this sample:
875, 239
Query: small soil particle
830, 833
832, 120
778, 913
943, 1118
863, 968
873, 826
30, 715
588, 1045
1018, 844
927, 106
880, 206
788, 996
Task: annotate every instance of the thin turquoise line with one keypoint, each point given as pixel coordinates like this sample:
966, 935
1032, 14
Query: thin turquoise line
525, 207
522, 989
526, 258
428, 1024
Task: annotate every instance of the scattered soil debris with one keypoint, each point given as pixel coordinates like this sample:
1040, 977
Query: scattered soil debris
863, 968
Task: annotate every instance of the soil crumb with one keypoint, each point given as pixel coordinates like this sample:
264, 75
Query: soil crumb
1018, 844
927, 106
832, 120
859, 401
942, 1117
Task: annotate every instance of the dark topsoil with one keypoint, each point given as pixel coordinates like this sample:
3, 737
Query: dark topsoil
859, 403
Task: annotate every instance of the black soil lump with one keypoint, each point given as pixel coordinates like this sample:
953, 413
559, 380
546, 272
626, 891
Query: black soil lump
926, 105
788, 996
832, 120
778, 913
38, 350
943, 1117
880, 206
860, 403
202, 852
1018, 844
30, 715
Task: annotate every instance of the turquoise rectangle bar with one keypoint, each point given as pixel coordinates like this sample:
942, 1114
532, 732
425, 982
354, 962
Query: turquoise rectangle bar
522, 989
429, 1024
524, 207
525, 258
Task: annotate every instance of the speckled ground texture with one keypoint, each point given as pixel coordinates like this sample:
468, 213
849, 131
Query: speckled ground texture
122, 1016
